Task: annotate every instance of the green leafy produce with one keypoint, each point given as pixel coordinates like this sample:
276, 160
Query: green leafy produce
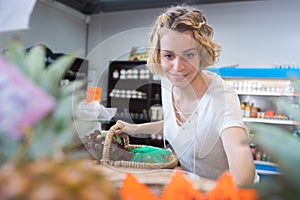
50, 136
149, 154
41, 165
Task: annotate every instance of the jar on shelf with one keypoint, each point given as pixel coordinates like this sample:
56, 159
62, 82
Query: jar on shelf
115, 74
247, 110
253, 111
123, 74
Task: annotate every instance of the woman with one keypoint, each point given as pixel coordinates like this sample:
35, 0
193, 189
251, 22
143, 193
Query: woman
202, 118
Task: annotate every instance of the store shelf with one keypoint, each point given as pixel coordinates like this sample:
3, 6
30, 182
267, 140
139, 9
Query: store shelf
121, 98
266, 168
265, 93
271, 121
265, 73
93, 120
133, 90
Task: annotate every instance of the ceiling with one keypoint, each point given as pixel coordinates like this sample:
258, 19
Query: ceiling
90, 7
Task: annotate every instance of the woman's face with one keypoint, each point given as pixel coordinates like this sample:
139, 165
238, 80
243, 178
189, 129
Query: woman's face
179, 57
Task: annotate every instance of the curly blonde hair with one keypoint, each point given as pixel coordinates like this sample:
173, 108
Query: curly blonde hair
183, 18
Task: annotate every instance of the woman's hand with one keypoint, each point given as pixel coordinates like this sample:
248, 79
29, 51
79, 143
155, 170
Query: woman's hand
126, 128
145, 128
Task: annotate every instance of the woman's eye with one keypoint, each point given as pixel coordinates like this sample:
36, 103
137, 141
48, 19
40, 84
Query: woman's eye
189, 55
168, 56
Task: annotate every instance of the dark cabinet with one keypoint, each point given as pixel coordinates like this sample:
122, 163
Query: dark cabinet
136, 93
133, 90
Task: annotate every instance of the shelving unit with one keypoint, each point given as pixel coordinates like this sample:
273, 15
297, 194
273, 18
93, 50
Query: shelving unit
135, 92
266, 169
258, 86
261, 86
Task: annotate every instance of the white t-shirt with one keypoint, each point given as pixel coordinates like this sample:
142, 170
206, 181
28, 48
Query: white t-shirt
197, 142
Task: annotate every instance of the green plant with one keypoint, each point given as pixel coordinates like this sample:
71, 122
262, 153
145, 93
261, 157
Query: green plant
38, 165
54, 132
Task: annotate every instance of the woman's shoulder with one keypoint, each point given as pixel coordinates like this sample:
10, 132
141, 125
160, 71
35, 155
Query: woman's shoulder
212, 79
217, 84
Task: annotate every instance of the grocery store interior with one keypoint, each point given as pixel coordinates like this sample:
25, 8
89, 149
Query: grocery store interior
260, 55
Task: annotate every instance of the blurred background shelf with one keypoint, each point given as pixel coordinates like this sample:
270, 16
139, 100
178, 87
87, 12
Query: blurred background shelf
271, 121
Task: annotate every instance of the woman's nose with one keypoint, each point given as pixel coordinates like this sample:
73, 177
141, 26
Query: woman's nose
179, 63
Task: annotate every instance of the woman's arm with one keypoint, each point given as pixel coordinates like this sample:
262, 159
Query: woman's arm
240, 160
148, 128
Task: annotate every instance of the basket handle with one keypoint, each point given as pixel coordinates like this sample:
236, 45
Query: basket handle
108, 139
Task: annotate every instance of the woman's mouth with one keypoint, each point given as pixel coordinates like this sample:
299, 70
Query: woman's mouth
178, 77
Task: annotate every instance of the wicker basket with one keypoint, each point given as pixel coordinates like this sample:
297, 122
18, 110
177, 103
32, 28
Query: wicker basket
171, 160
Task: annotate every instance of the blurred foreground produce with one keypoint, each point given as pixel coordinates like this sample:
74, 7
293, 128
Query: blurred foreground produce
55, 180
39, 165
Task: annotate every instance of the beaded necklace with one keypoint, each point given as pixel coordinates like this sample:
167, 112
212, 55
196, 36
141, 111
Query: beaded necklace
182, 115
180, 122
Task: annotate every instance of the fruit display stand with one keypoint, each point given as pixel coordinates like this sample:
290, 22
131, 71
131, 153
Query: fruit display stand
173, 184
156, 180
154, 175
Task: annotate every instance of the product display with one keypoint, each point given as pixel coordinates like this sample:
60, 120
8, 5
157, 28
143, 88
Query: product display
259, 93
135, 92
140, 161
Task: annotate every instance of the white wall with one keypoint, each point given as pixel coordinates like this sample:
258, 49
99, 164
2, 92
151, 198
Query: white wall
255, 33
112, 35
62, 32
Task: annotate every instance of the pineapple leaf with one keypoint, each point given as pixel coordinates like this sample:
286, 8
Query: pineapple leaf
47, 84
62, 114
53, 75
74, 86
270, 189
16, 54
56, 130
66, 136
287, 155
42, 145
58, 69
36, 62
8, 147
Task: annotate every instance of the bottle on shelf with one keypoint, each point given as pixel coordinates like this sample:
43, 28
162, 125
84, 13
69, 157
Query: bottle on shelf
247, 110
253, 111
253, 149
122, 74
243, 105
264, 156
115, 74
258, 155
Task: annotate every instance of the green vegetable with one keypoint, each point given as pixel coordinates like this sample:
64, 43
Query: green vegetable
149, 154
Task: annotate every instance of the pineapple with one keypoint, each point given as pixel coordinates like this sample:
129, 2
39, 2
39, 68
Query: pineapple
42, 165
284, 148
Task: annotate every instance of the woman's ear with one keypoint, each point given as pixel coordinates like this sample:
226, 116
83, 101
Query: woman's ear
201, 67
